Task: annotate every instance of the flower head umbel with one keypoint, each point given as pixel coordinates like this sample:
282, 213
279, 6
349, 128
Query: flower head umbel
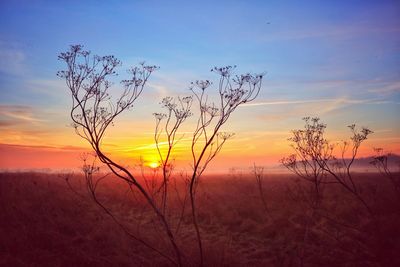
88, 78
224, 71
202, 84
159, 116
225, 135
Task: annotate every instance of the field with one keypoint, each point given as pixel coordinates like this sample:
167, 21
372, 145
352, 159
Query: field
45, 221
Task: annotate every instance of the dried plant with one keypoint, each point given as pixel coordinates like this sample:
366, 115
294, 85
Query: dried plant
258, 172
381, 163
310, 146
168, 124
182, 198
91, 170
315, 160
93, 111
67, 176
208, 137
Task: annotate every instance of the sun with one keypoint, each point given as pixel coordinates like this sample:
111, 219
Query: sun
153, 165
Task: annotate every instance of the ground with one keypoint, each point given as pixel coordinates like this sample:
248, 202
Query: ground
45, 221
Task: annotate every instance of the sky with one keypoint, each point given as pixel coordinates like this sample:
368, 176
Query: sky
338, 60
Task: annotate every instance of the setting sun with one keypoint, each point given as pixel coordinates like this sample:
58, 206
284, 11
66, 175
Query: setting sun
153, 165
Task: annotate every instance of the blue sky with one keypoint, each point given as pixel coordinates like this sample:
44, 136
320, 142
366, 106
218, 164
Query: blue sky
336, 59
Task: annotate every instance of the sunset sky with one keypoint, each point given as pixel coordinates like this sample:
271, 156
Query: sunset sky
339, 60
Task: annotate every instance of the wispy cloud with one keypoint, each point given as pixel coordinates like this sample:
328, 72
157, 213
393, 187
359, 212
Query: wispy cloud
27, 125
323, 100
180, 145
331, 31
387, 89
284, 109
17, 114
12, 59
53, 90
44, 147
161, 90
147, 147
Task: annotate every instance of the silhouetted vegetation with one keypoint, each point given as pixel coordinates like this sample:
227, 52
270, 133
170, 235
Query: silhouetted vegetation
317, 164
93, 111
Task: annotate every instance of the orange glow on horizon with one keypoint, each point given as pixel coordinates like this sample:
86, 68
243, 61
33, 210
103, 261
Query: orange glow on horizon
245, 148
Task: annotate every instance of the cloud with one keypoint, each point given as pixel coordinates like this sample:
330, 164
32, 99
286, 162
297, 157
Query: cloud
6, 123
17, 114
22, 124
53, 91
330, 31
387, 89
46, 147
148, 146
310, 101
283, 102
38, 156
161, 91
164, 84
322, 106
12, 59
180, 145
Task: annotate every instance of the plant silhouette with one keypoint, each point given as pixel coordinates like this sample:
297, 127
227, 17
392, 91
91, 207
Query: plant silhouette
93, 111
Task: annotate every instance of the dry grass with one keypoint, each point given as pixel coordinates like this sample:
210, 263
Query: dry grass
44, 223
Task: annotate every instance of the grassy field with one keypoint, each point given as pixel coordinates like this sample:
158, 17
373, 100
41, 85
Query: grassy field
46, 222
